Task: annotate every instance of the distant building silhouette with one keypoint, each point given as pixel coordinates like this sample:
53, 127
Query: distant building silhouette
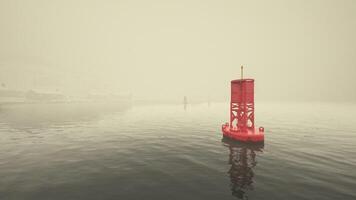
185, 102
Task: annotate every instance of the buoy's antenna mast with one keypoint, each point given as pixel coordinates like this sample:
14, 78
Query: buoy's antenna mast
242, 72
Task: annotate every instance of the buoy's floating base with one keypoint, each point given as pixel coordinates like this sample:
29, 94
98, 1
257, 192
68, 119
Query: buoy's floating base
248, 135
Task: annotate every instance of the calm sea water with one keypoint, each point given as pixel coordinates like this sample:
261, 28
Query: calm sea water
76, 152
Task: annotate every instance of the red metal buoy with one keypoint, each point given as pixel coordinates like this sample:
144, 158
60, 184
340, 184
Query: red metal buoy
242, 117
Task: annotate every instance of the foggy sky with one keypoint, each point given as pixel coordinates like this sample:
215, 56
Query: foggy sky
160, 49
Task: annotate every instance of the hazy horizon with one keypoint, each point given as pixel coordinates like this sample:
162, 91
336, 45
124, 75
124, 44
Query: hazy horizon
164, 50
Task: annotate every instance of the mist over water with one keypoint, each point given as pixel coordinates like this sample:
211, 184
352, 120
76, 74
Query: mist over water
162, 51
124, 99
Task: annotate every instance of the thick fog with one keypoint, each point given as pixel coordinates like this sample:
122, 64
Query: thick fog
163, 50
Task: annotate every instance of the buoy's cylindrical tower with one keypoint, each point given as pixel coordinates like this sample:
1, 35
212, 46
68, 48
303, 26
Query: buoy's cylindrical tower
242, 105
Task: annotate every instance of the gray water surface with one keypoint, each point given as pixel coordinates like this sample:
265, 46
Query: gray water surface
85, 152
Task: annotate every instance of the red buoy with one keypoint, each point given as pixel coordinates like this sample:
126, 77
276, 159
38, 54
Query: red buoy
242, 116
